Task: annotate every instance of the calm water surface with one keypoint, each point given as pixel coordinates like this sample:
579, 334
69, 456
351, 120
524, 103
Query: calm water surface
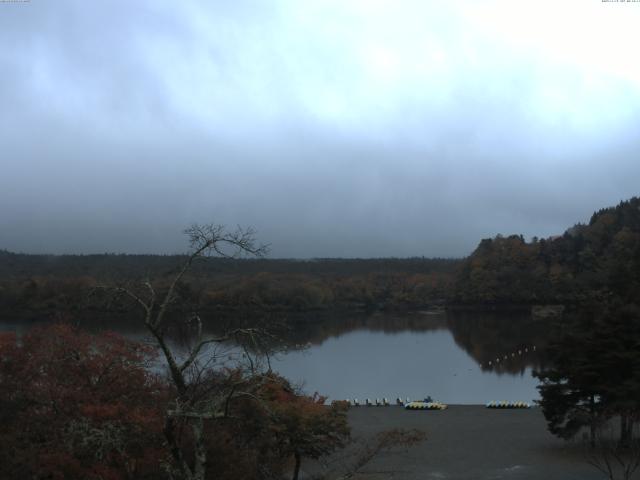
412, 364
445, 356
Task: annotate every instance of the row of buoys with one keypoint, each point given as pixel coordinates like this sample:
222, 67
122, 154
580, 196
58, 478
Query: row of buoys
512, 355
504, 404
425, 406
428, 404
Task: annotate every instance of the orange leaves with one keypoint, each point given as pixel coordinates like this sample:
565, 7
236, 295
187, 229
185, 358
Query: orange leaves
7, 339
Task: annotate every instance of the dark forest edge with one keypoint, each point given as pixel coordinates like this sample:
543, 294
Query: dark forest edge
503, 272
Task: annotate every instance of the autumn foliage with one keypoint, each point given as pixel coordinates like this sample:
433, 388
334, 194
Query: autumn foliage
268, 435
79, 406
595, 259
74, 405
302, 426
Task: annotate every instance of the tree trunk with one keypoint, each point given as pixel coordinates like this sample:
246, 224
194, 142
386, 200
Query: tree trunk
625, 430
593, 424
176, 452
200, 467
296, 470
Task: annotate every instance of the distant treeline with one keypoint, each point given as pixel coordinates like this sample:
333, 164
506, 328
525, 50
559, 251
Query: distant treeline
114, 266
601, 258
41, 284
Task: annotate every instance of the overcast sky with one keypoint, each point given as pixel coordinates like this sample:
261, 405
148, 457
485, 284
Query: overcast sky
336, 128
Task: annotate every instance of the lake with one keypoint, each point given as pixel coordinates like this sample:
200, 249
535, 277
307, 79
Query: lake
454, 357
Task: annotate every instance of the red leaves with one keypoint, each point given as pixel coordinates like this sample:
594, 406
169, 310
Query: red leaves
303, 425
80, 406
77, 405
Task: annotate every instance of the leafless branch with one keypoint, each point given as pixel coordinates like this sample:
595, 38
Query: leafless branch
352, 463
612, 459
199, 396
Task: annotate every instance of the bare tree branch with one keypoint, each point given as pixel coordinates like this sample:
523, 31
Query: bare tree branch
198, 397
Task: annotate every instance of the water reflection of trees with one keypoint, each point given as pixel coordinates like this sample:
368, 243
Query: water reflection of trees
489, 337
305, 330
485, 336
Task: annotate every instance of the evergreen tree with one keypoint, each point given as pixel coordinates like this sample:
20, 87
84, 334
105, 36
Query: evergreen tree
569, 389
595, 370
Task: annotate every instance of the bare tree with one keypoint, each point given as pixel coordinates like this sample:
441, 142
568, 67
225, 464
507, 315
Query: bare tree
614, 459
352, 463
199, 394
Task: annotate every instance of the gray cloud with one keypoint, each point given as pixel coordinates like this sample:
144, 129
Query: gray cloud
335, 128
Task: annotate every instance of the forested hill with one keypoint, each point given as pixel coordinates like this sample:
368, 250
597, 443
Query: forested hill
598, 259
